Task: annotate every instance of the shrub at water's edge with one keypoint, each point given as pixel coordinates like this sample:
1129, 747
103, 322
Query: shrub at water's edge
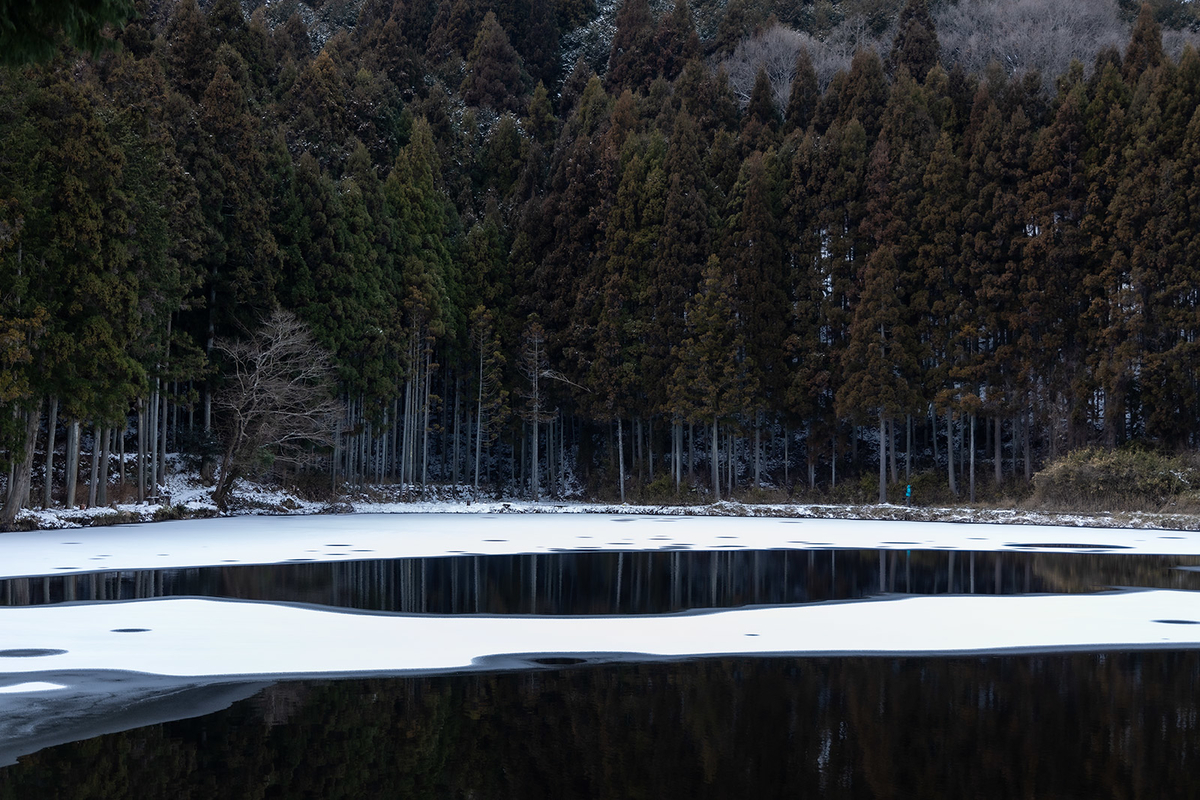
1127, 479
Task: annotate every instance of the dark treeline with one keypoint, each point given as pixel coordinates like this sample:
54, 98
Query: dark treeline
533, 277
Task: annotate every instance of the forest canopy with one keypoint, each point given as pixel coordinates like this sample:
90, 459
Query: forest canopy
555, 245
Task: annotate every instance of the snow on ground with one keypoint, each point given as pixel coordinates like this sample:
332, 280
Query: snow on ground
185, 496
357, 537
215, 638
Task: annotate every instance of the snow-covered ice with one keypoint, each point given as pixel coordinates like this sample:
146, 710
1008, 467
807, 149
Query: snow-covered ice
235, 639
350, 537
31, 686
74, 670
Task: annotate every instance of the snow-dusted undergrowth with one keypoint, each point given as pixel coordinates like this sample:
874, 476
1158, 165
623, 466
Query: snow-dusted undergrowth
184, 496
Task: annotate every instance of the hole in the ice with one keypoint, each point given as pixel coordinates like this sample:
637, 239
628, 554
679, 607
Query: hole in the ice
557, 661
72, 542
337, 545
790, 521
31, 652
1178, 621
362, 551
625, 519
299, 559
977, 538
897, 542
727, 537
1170, 537
495, 540
129, 630
752, 634
163, 555
66, 567
229, 561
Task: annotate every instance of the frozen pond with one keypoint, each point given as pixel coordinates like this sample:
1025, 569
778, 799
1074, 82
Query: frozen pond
110, 634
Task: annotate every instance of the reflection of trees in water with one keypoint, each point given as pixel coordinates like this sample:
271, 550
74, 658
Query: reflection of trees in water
627, 583
1034, 726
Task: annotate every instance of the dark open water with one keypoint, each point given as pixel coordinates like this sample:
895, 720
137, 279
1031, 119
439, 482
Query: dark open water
1071, 725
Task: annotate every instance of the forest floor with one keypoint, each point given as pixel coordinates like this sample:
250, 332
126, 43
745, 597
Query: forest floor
186, 497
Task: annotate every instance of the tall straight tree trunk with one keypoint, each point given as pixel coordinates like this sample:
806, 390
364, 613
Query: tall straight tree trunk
933, 431
883, 448
1026, 424
121, 449
93, 482
22, 470
337, 453
162, 442
47, 499
757, 449
908, 448
457, 430
786, 482
950, 452
833, 461
650, 448
425, 422
405, 432
621, 456
72, 465
533, 460
730, 469
999, 453
105, 461
891, 426
152, 443
161, 475
478, 441
691, 453
972, 458
716, 471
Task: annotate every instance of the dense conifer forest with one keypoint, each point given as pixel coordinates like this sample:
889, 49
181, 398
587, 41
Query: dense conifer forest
552, 245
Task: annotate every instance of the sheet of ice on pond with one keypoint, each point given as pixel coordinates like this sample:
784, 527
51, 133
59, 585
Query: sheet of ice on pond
211, 638
83, 704
268, 540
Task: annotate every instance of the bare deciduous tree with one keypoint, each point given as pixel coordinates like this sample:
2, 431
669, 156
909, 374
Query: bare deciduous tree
775, 50
1026, 35
277, 402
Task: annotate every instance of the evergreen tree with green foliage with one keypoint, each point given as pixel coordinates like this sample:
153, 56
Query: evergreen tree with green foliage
31, 31
915, 47
494, 75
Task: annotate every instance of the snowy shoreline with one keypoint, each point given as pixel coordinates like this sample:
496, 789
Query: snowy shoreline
230, 541
188, 500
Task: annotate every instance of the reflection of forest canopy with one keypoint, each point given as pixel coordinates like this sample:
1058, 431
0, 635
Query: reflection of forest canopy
622, 583
1080, 725
736, 272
